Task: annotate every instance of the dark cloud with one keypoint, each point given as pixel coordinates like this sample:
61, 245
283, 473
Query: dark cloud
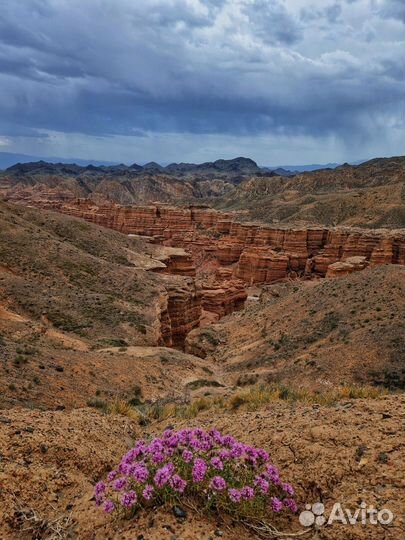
272, 22
393, 9
226, 67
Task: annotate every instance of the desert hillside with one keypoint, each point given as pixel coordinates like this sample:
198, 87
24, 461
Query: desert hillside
315, 333
367, 195
79, 311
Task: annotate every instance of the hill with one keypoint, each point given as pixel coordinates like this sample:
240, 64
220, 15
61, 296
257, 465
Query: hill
315, 334
368, 195
79, 311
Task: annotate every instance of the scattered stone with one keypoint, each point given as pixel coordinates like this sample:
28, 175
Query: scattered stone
383, 457
179, 512
360, 451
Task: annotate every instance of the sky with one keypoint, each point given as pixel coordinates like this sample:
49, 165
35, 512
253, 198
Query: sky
280, 81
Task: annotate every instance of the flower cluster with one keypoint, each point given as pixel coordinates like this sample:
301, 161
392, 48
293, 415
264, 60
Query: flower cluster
217, 469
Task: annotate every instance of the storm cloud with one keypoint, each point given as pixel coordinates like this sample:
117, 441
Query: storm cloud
122, 80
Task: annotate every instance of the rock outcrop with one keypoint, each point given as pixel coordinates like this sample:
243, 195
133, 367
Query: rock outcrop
261, 265
347, 266
223, 297
255, 253
181, 310
176, 261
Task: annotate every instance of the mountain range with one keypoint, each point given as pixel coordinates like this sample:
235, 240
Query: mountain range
9, 159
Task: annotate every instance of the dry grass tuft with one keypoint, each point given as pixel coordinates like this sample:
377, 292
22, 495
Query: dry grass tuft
259, 396
119, 406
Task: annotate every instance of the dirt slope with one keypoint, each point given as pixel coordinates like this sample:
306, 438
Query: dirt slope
51, 460
316, 334
369, 195
71, 305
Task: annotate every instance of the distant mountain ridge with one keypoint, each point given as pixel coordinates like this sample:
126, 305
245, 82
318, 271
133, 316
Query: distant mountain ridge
8, 159
239, 165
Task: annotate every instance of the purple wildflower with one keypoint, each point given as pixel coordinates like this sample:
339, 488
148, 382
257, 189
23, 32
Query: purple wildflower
276, 504
263, 455
217, 483
196, 452
288, 488
119, 484
177, 483
237, 450
217, 463
234, 495
99, 488
262, 484
163, 475
147, 492
215, 435
291, 504
111, 475
224, 454
128, 499
187, 456
247, 493
140, 473
228, 440
199, 470
158, 457
108, 506
272, 474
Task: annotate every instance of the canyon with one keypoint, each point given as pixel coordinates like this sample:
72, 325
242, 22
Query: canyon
207, 259
150, 310
258, 253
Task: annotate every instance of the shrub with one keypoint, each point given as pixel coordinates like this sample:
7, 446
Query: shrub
19, 360
97, 404
120, 406
219, 472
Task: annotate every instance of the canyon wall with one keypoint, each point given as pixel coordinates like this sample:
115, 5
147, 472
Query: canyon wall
206, 259
180, 310
258, 253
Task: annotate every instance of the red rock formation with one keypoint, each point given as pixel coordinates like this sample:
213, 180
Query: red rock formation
261, 265
389, 251
332, 252
360, 243
349, 265
182, 312
176, 261
216, 237
228, 251
224, 297
223, 273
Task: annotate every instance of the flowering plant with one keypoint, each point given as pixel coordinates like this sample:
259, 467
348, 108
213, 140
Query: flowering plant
216, 469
